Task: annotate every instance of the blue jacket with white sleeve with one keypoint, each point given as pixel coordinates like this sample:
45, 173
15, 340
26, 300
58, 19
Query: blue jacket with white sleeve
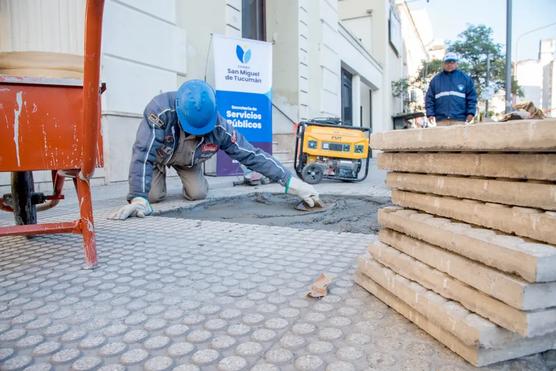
451, 96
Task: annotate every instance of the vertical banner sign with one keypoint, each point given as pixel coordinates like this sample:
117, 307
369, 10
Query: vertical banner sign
243, 84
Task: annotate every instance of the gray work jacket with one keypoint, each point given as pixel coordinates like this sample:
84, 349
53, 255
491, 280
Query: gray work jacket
157, 139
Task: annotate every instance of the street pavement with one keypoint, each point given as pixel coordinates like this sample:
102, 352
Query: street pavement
179, 294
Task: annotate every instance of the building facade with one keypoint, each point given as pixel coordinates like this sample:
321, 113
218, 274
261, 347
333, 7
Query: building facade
537, 77
549, 89
417, 34
331, 58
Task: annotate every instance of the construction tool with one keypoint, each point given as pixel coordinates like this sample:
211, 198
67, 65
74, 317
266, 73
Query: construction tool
325, 148
54, 124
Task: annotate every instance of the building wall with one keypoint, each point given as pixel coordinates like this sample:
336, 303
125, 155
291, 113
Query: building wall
390, 62
361, 26
353, 14
368, 73
547, 61
547, 50
535, 76
414, 42
48, 25
309, 39
134, 34
328, 72
202, 20
396, 71
529, 75
549, 88
289, 58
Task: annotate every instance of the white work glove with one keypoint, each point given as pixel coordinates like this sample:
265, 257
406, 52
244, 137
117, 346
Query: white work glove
304, 191
138, 207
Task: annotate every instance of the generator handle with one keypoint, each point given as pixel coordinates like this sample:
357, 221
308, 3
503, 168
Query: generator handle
366, 167
334, 126
369, 153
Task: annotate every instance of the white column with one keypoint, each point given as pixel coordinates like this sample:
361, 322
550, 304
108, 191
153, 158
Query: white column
356, 100
378, 110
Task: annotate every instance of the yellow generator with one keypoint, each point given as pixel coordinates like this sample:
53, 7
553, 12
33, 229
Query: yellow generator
326, 149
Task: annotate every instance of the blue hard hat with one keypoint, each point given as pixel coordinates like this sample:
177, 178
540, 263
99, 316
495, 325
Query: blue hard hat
196, 107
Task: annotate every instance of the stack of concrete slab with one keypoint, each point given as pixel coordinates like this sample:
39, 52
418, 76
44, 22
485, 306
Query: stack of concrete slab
468, 254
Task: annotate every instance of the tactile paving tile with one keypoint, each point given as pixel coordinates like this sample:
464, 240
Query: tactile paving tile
175, 294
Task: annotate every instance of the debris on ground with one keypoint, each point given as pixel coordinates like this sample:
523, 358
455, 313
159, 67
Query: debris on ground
302, 206
319, 288
252, 178
524, 111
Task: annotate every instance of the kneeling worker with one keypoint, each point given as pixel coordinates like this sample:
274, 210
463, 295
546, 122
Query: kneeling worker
183, 129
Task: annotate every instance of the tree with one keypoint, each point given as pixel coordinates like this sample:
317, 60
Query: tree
425, 73
474, 46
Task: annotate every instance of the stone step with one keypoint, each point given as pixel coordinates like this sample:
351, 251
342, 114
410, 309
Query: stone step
492, 344
525, 323
534, 194
507, 288
497, 165
534, 262
525, 135
533, 223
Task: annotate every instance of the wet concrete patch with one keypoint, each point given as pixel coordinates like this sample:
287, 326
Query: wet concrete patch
355, 214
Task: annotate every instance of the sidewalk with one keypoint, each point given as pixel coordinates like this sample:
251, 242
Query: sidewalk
113, 195
202, 295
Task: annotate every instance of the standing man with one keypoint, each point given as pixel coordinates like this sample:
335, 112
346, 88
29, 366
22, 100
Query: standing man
183, 129
451, 98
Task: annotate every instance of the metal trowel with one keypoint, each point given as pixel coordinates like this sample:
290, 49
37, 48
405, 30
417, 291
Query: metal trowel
302, 206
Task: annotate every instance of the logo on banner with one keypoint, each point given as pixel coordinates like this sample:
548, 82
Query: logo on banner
244, 55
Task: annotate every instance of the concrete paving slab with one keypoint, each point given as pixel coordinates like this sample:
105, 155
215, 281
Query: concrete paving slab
468, 327
516, 136
534, 262
539, 166
525, 323
535, 194
526, 222
507, 288
430, 311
